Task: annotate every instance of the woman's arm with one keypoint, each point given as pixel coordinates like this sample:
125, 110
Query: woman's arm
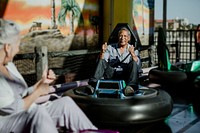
40, 88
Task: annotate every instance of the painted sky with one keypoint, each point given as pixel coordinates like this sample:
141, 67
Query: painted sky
25, 12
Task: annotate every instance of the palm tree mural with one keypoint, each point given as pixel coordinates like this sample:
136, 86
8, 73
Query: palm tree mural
73, 8
53, 18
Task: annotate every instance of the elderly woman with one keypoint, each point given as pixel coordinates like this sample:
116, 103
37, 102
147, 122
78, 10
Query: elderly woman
18, 111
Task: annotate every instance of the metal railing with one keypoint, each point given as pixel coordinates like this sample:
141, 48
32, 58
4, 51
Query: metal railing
181, 44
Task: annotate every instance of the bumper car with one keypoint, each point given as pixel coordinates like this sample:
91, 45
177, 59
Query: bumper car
179, 75
108, 105
177, 79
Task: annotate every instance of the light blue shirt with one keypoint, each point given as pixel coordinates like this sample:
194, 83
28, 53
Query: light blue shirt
113, 52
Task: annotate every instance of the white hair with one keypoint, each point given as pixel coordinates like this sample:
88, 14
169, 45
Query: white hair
124, 28
9, 32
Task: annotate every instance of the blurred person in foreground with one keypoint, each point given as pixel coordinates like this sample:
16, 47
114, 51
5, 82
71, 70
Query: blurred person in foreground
119, 61
18, 111
197, 42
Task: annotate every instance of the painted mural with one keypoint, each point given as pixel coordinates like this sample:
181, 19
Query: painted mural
61, 25
143, 14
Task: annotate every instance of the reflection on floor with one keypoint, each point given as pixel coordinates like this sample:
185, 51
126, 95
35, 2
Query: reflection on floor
183, 119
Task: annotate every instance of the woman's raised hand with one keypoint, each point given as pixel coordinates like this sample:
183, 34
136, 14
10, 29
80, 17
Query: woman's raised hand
48, 76
42, 85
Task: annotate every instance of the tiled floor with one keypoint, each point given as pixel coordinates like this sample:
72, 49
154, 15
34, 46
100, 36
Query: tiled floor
183, 119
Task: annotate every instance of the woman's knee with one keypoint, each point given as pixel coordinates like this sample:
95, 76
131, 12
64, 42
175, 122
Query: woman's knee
66, 100
41, 120
39, 111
